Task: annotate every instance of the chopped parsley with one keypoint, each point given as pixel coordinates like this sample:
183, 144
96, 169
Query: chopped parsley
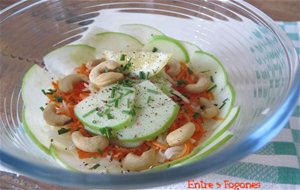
122, 58
154, 49
95, 167
128, 103
63, 131
190, 71
149, 99
181, 82
117, 103
196, 115
58, 98
142, 75
100, 151
126, 83
42, 108
127, 66
89, 112
113, 92
106, 131
110, 116
50, 91
212, 79
211, 88
224, 103
129, 112
153, 91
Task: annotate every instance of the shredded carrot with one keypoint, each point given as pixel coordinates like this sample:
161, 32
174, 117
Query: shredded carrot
159, 145
82, 70
218, 118
188, 146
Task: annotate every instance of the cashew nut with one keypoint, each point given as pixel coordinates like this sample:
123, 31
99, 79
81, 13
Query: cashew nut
107, 78
202, 84
66, 84
94, 63
209, 110
52, 118
89, 144
181, 135
137, 163
100, 77
174, 67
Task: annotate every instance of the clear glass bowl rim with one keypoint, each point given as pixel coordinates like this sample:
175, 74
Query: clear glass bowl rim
268, 128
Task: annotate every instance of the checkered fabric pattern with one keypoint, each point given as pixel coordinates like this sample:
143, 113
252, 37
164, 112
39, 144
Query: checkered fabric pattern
277, 165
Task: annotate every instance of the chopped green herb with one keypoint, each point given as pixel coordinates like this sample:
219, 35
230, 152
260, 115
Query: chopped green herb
181, 82
63, 131
127, 66
148, 75
42, 108
142, 75
185, 110
106, 131
58, 98
204, 71
212, 79
153, 91
225, 100
95, 167
109, 116
122, 57
224, 103
190, 71
90, 112
137, 107
117, 103
154, 49
94, 121
113, 92
149, 99
211, 88
129, 112
196, 115
128, 103
50, 91
78, 129
126, 83
100, 151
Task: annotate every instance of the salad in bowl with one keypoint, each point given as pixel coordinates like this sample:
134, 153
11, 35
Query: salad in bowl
128, 101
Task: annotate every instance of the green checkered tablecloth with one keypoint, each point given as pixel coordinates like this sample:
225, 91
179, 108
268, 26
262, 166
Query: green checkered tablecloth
275, 166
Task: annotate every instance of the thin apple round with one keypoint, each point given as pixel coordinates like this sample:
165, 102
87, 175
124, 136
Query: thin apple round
116, 102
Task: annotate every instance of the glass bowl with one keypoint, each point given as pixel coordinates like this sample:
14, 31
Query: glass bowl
261, 62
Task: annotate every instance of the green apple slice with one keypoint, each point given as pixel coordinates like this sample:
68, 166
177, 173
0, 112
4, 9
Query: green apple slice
108, 108
89, 36
142, 32
42, 134
34, 81
115, 41
207, 63
209, 149
190, 48
147, 62
155, 112
63, 60
68, 158
166, 44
